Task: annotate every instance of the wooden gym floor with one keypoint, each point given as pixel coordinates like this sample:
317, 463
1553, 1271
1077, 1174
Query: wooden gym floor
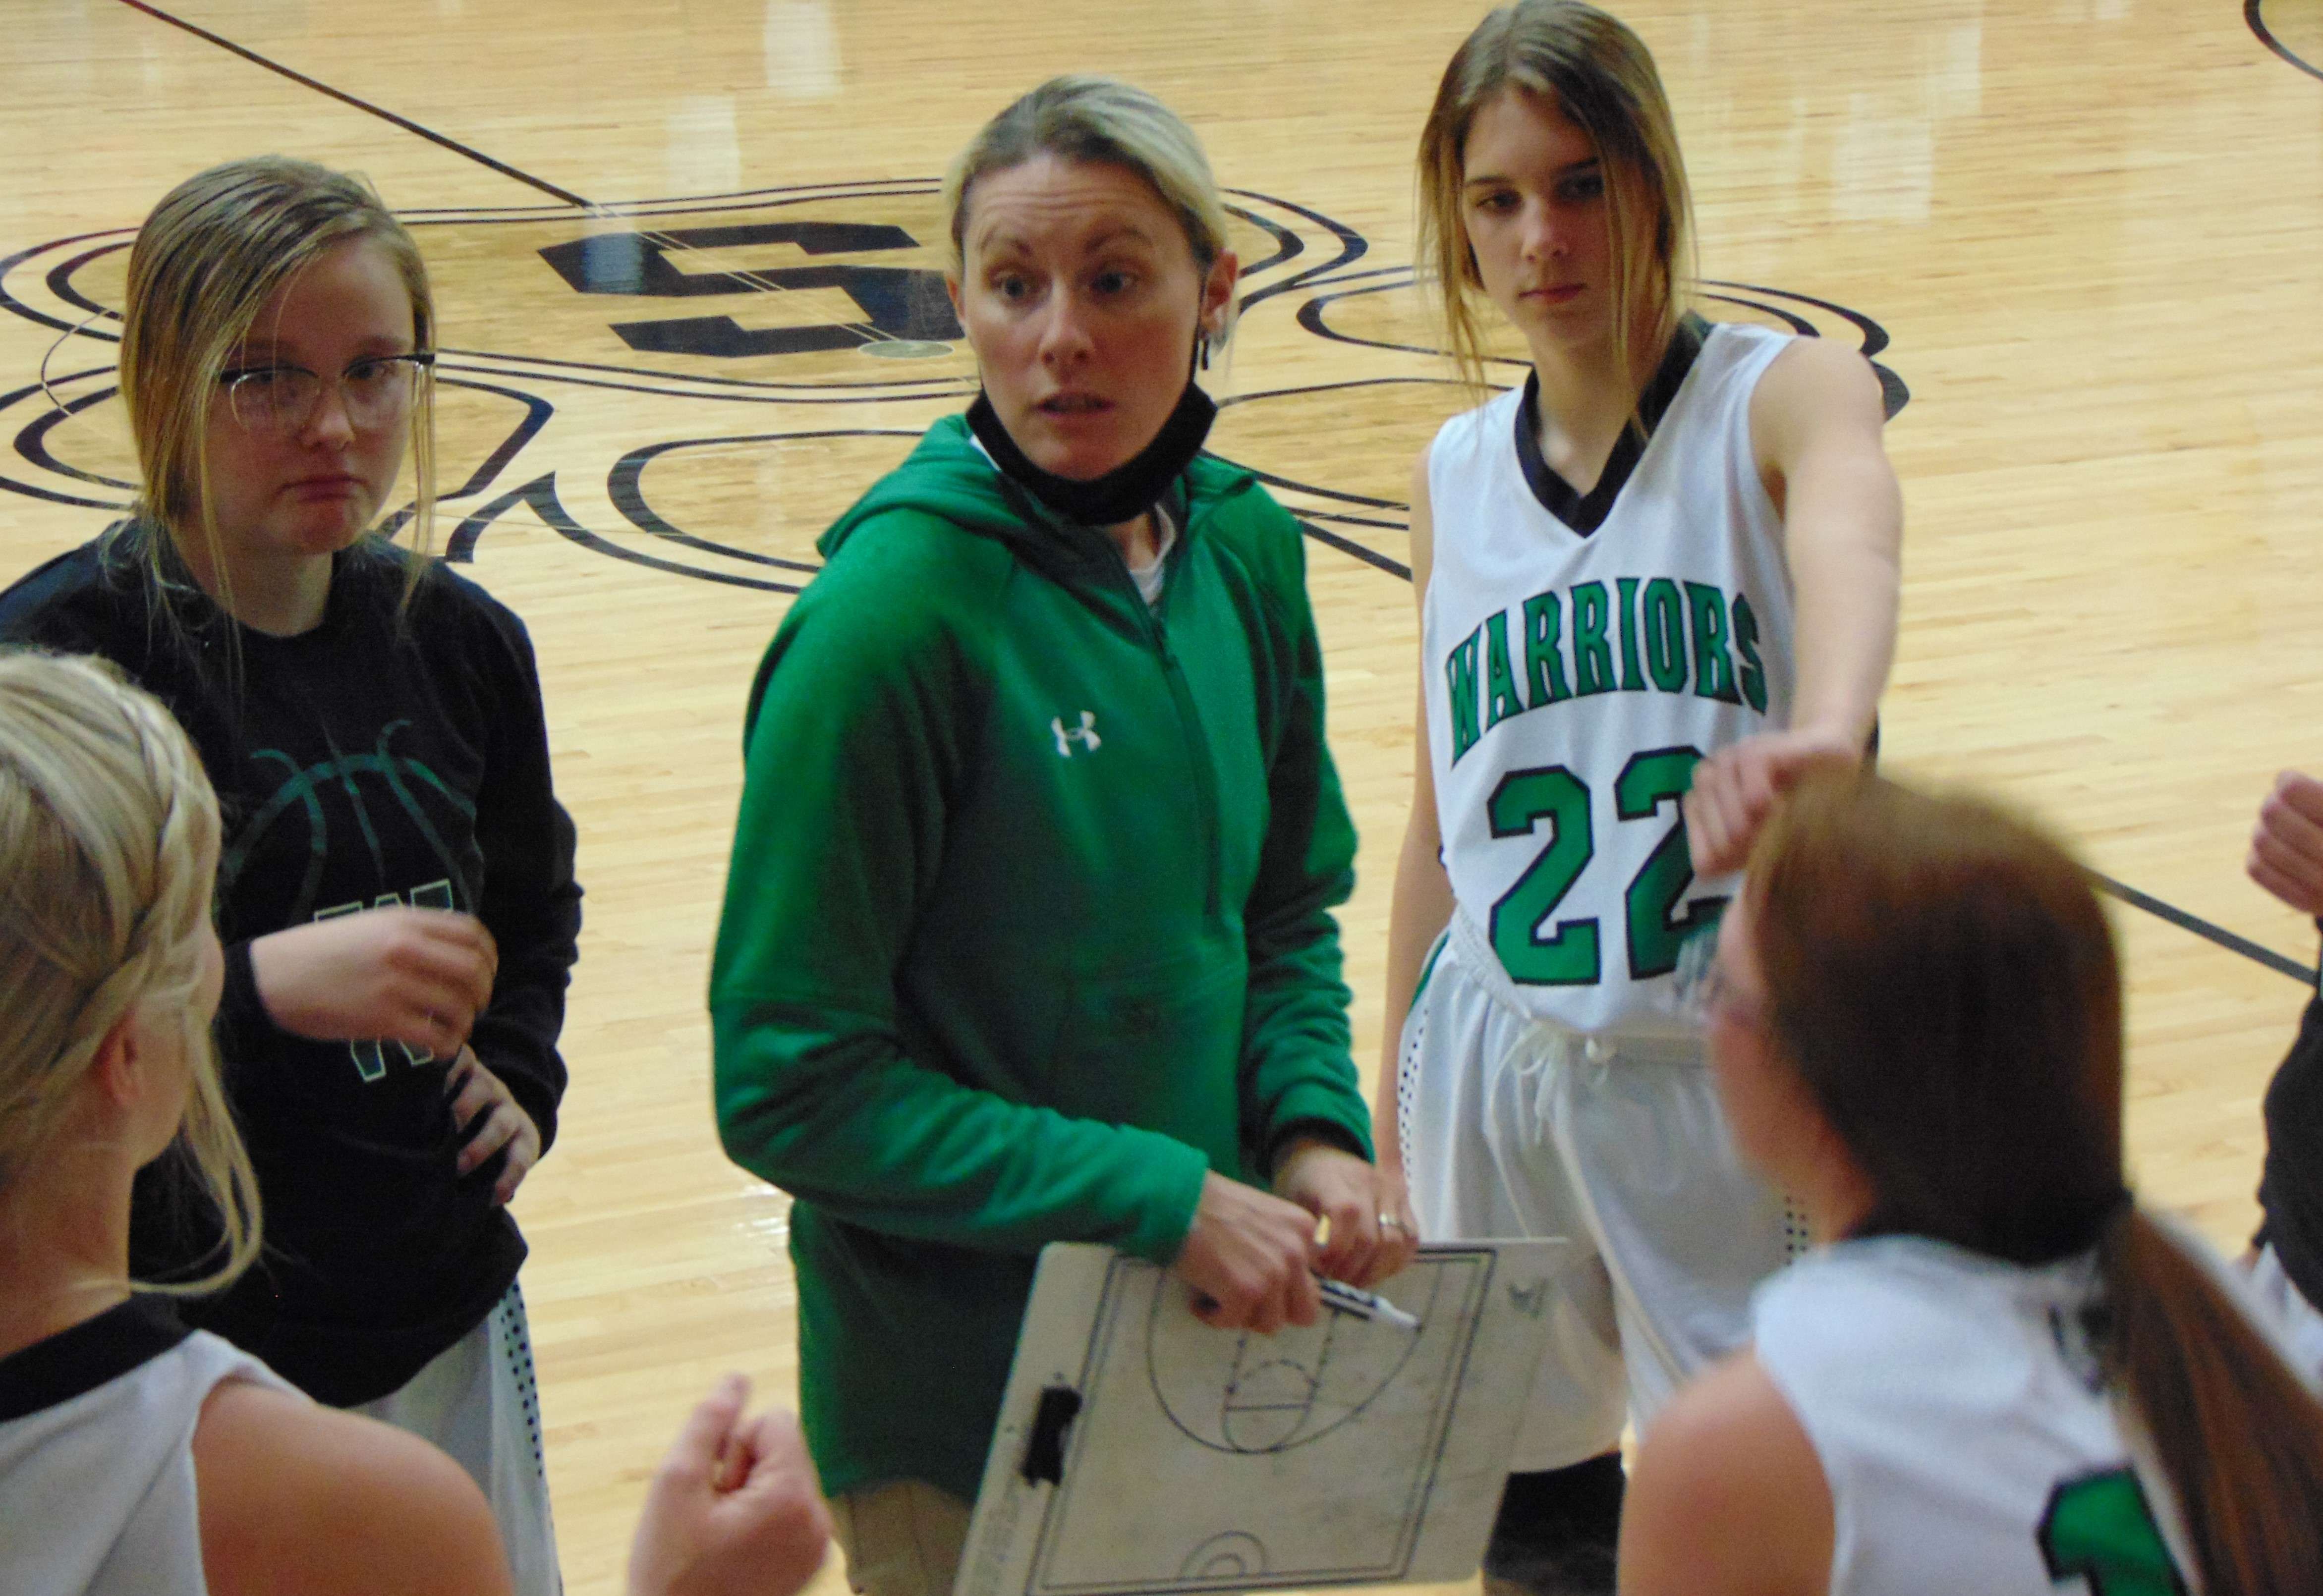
2083, 236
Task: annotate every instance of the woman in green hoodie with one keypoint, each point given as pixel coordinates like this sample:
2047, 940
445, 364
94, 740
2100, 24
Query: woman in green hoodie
1027, 934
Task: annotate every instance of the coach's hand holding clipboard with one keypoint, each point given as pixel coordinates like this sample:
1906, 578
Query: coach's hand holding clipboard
1253, 1260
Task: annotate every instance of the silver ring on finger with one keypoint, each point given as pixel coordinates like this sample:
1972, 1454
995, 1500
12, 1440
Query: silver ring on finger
1391, 1222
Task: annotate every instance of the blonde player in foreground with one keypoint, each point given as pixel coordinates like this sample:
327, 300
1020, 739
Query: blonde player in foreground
1996, 1373
138, 1457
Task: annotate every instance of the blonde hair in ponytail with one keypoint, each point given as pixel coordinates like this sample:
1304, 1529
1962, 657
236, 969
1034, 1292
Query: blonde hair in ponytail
1942, 977
1105, 121
108, 848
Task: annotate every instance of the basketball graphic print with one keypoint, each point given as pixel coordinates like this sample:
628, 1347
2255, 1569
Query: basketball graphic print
689, 265
1243, 1392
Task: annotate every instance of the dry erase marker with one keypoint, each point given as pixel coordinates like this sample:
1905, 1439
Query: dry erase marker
1342, 1299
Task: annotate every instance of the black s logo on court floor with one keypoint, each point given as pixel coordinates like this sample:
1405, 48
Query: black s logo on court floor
904, 305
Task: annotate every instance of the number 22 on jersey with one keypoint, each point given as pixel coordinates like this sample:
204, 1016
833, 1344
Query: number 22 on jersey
1656, 916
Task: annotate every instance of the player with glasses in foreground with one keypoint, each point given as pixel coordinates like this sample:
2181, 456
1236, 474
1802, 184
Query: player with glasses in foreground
1995, 1373
376, 391
395, 887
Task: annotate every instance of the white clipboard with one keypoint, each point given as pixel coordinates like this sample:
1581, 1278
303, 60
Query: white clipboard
1141, 1450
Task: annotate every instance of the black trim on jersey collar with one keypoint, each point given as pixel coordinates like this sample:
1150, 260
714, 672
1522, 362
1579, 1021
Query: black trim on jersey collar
75, 1362
1584, 513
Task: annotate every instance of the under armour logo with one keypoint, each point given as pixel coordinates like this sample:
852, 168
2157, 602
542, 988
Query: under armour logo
1528, 1300
1084, 734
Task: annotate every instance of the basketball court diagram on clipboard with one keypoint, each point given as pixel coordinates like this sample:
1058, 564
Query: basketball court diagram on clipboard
1142, 1451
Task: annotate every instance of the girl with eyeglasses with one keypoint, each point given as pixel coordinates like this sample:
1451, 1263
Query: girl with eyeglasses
395, 886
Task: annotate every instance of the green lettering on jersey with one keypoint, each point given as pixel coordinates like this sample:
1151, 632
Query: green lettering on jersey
1746, 644
1460, 684
1657, 892
1626, 588
1567, 956
1500, 681
2101, 1529
1665, 620
1714, 672
1544, 664
1593, 657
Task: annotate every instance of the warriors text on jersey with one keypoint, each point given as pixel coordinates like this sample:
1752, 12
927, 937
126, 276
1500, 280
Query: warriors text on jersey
1575, 674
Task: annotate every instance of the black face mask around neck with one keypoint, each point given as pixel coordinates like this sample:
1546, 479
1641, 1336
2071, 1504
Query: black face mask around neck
1125, 491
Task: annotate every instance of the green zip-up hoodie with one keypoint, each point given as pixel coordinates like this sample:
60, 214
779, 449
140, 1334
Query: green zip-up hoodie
1027, 926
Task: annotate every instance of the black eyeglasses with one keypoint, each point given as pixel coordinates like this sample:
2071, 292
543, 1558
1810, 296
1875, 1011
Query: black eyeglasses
377, 391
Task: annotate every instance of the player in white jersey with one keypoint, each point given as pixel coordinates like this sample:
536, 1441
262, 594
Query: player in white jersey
1663, 574
138, 1458
1996, 1373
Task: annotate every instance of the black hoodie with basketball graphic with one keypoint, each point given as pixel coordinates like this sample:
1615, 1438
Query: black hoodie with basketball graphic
396, 753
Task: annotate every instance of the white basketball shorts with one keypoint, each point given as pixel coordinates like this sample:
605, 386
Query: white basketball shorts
1515, 1127
480, 1401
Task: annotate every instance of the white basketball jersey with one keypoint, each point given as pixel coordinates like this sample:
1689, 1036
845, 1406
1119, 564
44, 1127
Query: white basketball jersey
96, 1465
1957, 1410
1572, 680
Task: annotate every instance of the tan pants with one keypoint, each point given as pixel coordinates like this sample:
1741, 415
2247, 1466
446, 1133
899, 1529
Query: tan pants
902, 1539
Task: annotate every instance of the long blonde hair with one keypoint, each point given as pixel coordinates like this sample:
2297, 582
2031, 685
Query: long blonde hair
1600, 74
108, 846
217, 247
